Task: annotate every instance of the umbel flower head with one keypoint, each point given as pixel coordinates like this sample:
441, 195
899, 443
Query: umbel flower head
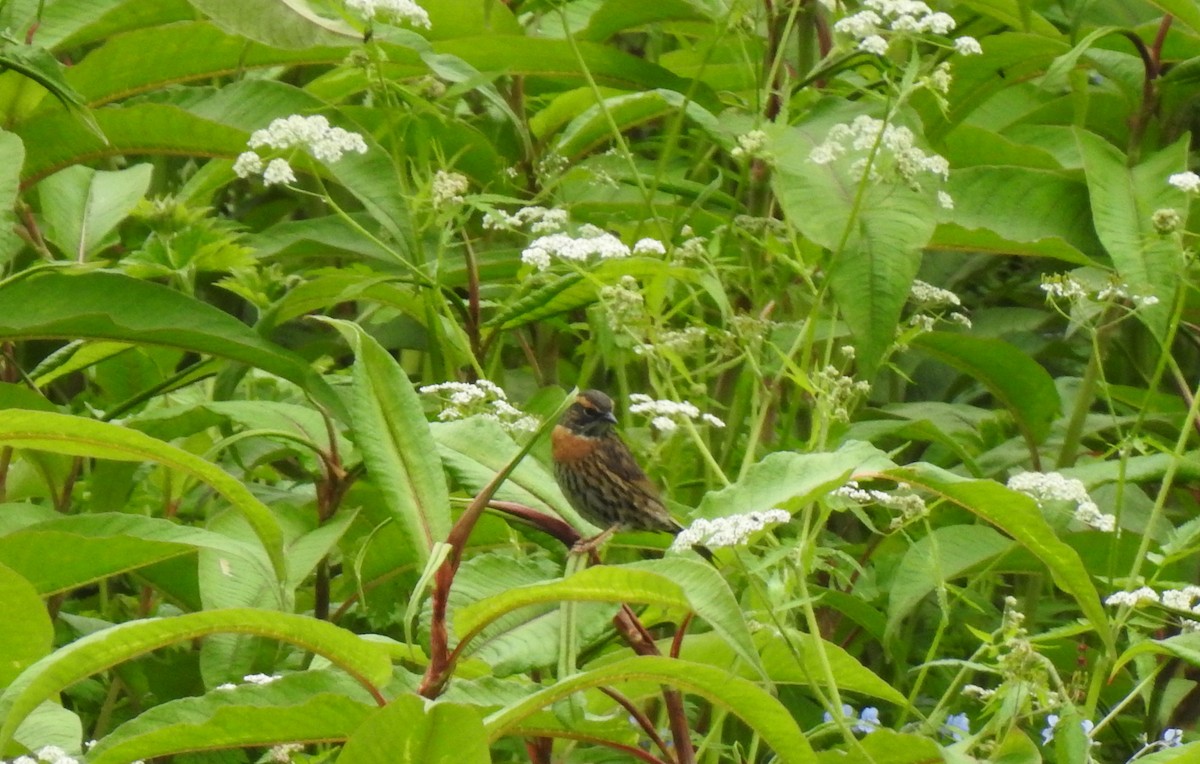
314, 135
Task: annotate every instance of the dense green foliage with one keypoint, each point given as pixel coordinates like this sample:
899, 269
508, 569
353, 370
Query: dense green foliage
900, 299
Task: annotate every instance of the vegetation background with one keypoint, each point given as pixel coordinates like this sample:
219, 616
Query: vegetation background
898, 299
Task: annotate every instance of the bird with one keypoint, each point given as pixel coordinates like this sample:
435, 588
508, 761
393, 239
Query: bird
600, 476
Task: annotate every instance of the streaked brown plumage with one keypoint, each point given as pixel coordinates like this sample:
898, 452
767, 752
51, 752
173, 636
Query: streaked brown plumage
598, 474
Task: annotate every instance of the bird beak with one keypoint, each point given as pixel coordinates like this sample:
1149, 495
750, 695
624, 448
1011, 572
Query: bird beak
609, 417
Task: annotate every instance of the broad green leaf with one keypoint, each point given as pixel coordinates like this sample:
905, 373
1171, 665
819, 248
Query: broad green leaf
281, 23
764, 714
711, 599
954, 238
26, 633
1018, 516
875, 231
56, 139
410, 730
593, 127
10, 176
76, 436
526, 638
311, 707
1016, 380
783, 476
50, 724
1124, 200
111, 306
1184, 10
39, 65
367, 662
162, 56
934, 559
475, 449
603, 583
82, 206
398, 449
73, 24
1024, 204
615, 16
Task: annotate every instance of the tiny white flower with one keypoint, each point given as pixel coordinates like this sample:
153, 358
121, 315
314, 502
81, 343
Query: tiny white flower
278, 171
448, 188
1134, 598
403, 10
874, 44
1185, 181
248, 163
260, 678
649, 247
938, 23
733, 530
967, 46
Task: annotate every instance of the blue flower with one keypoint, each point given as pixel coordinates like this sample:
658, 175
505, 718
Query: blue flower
1172, 738
868, 721
957, 726
1048, 733
847, 711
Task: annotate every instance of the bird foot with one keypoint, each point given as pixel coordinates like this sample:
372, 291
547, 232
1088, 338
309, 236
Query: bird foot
584, 546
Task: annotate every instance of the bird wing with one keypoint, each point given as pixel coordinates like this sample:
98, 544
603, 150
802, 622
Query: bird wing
620, 460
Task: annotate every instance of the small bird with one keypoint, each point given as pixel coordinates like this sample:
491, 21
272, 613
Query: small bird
599, 476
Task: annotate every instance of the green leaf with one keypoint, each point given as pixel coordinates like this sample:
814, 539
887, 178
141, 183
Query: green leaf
76, 436
764, 714
311, 707
593, 128
615, 16
56, 139
603, 583
1124, 200
410, 730
944, 554
875, 234
391, 431
158, 57
710, 598
1016, 380
786, 475
1018, 516
368, 662
1184, 10
111, 306
475, 449
82, 206
281, 23
10, 186
26, 633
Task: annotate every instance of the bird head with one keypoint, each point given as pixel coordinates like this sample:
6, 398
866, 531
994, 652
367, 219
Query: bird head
591, 415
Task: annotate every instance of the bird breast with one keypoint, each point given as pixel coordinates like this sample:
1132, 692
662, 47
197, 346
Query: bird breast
569, 447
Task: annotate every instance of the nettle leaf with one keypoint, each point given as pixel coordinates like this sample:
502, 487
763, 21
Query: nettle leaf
1018, 516
874, 230
311, 707
368, 662
82, 206
1124, 200
944, 554
398, 448
10, 185
26, 633
1019, 382
281, 23
762, 712
410, 730
111, 306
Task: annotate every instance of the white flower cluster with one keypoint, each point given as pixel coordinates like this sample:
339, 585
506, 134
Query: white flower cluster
313, 134
666, 415
250, 679
927, 293
692, 247
591, 242
1133, 598
727, 531
483, 399
751, 145
1052, 486
50, 754
448, 188
624, 305
1063, 286
402, 10
539, 219
895, 142
904, 16
1186, 181
904, 502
